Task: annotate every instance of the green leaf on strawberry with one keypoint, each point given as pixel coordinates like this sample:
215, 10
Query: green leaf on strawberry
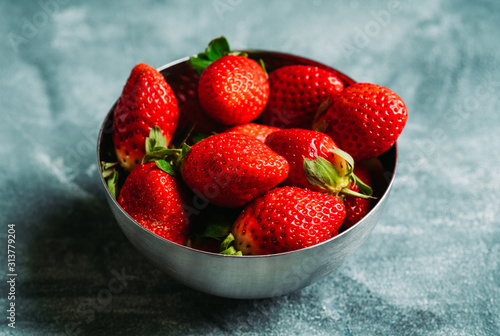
112, 182
156, 146
227, 246
323, 174
216, 49
110, 175
217, 228
363, 187
166, 167
155, 139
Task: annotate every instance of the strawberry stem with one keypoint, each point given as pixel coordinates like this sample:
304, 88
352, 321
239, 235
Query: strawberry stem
347, 191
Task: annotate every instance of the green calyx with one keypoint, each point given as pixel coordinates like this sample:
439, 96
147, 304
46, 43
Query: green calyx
321, 173
227, 247
335, 177
166, 159
217, 48
219, 228
110, 174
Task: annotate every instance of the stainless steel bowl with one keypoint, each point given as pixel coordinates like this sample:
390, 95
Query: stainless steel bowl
248, 277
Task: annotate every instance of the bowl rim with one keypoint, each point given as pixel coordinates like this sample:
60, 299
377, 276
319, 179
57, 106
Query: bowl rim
380, 202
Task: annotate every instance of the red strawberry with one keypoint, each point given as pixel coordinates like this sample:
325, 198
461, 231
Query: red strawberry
256, 130
296, 145
157, 201
356, 208
185, 87
231, 169
287, 219
233, 90
364, 119
147, 100
296, 91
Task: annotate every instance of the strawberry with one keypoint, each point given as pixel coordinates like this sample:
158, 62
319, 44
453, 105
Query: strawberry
364, 119
231, 169
356, 207
191, 116
296, 92
233, 90
256, 130
147, 100
286, 219
296, 145
158, 201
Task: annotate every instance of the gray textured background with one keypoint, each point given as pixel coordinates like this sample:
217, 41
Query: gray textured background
430, 267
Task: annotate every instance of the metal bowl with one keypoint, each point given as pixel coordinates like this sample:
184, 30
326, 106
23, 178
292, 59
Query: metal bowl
248, 277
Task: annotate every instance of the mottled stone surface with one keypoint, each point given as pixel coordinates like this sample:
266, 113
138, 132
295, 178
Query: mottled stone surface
430, 267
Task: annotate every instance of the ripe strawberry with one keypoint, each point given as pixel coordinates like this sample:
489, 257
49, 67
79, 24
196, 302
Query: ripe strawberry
287, 219
147, 100
296, 91
233, 90
157, 201
191, 115
256, 130
297, 145
364, 119
231, 169
355, 207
